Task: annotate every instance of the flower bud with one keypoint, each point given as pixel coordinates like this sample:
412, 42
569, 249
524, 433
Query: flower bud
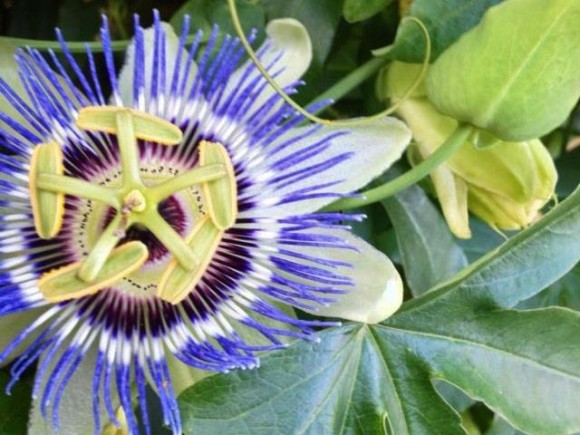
515, 74
505, 185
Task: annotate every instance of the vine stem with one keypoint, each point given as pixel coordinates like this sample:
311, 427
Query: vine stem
444, 152
352, 80
346, 123
74, 47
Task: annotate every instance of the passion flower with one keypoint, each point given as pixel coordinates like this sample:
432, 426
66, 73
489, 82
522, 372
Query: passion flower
170, 223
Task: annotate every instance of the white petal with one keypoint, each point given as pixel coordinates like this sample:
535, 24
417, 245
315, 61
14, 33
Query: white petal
290, 36
375, 146
378, 289
171, 54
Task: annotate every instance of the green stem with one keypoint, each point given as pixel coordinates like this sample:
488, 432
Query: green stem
445, 151
198, 175
170, 239
76, 187
307, 115
345, 123
74, 46
352, 80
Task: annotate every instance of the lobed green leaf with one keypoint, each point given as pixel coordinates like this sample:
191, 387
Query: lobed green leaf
524, 365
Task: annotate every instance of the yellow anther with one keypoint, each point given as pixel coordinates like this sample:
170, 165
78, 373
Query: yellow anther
63, 284
177, 282
221, 195
147, 127
47, 207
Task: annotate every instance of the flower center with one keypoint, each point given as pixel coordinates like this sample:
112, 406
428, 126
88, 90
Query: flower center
117, 253
171, 209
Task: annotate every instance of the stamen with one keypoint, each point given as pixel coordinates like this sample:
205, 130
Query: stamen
177, 282
147, 127
221, 195
79, 188
188, 179
47, 206
64, 284
171, 239
93, 264
129, 125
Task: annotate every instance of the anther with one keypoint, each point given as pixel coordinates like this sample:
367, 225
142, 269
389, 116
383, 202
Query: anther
47, 206
177, 281
147, 127
221, 195
63, 284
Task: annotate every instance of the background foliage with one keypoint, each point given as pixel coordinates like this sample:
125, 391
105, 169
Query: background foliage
487, 341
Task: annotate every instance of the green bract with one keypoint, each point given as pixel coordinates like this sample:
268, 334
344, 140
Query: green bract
517, 73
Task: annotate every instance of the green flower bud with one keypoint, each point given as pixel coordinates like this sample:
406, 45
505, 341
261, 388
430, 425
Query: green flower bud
516, 73
505, 185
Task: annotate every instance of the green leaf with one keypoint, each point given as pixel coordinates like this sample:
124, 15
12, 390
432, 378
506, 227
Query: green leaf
251, 16
196, 9
517, 270
516, 73
483, 239
355, 377
205, 13
524, 365
73, 12
446, 21
453, 395
430, 254
334, 384
563, 292
320, 18
14, 409
358, 10
568, 174
501, 427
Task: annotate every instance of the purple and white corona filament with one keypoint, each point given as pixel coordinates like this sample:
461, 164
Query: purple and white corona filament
166, 223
